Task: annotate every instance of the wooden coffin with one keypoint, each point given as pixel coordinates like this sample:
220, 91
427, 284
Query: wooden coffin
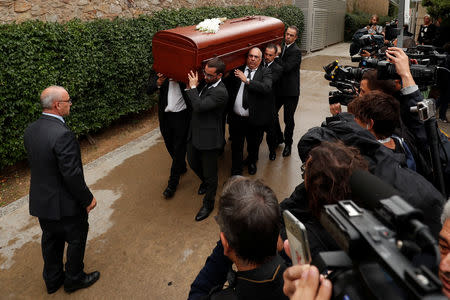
179, 50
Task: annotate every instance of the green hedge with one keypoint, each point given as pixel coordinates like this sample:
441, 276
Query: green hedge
358, 20
103, 64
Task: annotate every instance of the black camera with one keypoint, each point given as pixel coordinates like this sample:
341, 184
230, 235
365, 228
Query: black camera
363, 41
346, 79
384, 249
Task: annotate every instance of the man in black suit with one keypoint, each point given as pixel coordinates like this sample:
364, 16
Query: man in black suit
289, 86
250, 110
59, 196
174, 116
270, 53
206, 134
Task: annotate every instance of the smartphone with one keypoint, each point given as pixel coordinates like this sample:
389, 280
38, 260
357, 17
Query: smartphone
298, 239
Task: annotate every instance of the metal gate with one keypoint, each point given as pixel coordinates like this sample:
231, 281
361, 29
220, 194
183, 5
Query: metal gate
324, 23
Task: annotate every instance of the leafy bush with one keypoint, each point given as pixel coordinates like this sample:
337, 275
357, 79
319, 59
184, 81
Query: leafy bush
358, 20
103, 64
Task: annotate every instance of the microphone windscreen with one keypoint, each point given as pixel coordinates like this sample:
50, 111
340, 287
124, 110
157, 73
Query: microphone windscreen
368, 189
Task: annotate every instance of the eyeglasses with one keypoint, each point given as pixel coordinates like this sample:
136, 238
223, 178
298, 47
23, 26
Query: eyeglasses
208, 75
68, 101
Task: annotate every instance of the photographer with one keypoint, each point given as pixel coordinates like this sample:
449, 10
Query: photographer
412, 187
379, 113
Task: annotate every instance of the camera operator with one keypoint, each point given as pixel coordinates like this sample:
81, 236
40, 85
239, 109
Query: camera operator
379, 113
373, 27
410, 96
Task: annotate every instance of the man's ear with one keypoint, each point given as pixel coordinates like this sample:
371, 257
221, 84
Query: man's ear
370, 124
226, 246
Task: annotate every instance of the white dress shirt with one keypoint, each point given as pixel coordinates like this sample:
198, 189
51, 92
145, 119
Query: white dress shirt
175, 100
237, 108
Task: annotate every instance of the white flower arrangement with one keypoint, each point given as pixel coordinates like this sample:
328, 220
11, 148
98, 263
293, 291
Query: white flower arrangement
210, 25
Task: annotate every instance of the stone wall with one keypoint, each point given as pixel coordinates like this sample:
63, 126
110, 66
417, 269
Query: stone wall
64, 10
379, 7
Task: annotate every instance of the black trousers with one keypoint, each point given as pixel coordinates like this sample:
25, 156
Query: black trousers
290, 105
204, 164
174, 128
240, 131
55, 233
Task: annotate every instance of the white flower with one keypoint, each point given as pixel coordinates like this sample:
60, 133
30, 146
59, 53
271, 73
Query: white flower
210, 25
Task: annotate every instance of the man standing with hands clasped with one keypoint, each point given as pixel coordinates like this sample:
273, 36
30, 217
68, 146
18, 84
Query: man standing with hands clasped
59, 196
206, 134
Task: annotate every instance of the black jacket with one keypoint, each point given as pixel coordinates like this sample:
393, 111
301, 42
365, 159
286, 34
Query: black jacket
206, 127
260, 100
289, 83
413, 188
57, 187
263, 283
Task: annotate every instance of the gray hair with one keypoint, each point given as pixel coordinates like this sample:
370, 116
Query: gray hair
446, 212
51, 94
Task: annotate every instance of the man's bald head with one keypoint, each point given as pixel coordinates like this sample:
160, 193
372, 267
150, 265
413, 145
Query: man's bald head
254, 58
50, 95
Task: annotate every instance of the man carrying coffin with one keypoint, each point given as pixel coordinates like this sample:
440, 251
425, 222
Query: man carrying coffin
206, 135
250, 109
174, 116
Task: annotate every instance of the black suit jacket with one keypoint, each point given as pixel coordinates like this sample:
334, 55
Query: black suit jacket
206, 127
277, 72
261, 104
57, 186
163, 93
289, 84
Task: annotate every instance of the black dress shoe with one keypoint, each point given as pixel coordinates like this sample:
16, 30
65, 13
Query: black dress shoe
287, 150
202, 188
204, 212
252, 169
169, 192
55, 287
86, 281
272, 155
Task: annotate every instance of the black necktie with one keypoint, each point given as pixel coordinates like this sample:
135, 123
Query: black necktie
245, 92
284, 50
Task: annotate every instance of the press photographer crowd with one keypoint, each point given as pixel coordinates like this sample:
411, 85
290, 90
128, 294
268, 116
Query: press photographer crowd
369, 220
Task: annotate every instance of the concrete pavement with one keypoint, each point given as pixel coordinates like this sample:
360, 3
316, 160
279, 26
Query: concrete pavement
147, 247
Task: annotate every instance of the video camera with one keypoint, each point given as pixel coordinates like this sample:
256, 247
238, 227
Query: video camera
423, 75
362, 40
426, 55
346, 79
379, 247
391, 31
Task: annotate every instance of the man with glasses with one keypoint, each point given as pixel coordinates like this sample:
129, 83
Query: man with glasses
289, 86
206, 134
250, 110
174, 116
59, 196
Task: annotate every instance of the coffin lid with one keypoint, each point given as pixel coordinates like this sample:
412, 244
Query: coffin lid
246, 26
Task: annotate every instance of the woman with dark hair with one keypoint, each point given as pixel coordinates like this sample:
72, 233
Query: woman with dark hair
327, 174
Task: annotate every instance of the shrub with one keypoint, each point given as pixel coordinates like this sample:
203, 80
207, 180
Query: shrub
103, 64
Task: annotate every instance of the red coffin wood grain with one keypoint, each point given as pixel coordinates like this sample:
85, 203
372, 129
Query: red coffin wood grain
179, 50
